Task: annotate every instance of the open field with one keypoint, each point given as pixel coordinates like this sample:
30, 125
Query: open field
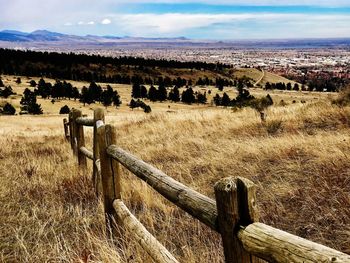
125, 94
256, 74
299, 160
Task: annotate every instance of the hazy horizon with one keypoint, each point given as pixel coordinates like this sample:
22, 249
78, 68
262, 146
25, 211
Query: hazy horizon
197, 19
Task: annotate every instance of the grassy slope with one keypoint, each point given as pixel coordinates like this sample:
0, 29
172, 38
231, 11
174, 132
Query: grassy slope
256, 74
300, 162
125, 93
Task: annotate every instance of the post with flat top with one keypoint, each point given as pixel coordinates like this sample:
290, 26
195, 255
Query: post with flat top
235, 199
110, 171
79, 139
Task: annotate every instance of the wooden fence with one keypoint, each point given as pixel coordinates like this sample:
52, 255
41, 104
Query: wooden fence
233, 214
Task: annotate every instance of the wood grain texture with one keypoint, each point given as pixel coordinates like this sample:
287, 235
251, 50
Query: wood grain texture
87, 153
275, 245
148, 242
198, 205
85, 121
96, 175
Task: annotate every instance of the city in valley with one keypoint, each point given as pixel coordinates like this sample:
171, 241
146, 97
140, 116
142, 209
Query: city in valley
175, 131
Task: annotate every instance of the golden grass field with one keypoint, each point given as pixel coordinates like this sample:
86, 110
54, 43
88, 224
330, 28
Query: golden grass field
299, 159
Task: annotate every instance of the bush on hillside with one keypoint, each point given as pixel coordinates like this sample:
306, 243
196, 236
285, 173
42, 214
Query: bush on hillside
8, 109
65, 110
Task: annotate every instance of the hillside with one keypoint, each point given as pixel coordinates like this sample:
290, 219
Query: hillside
256, 75
299, 159
125, 94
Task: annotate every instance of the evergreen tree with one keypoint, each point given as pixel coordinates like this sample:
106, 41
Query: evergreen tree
8, 109
188, 96
107, 96
29, 103
64, 110
296, 87
225, 101
143, 92
136, 91
95, 92
174, 94
162, 93
86, 96
116, 99
217, 100
6, 92
1, 83
18, 80
32, 83
202, 98
133, 104
153, 94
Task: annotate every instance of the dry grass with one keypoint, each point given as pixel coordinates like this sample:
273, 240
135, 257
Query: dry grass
299, 160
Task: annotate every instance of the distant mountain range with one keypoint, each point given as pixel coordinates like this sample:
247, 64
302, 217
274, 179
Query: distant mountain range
42, 39
47, 36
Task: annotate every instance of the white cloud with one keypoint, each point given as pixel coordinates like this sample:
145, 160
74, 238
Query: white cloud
106, 21
68, 24
90, 23
80, 23
250, 25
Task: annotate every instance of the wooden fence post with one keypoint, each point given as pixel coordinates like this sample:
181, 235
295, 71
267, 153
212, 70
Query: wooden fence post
98, 115
109, 171
71, 132
66, 131
75, 115
79, 140
235, 199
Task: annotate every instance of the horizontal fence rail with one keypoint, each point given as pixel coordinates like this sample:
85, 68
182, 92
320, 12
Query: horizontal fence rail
85, 121
87, 153
233, 214
157, 251
200, 206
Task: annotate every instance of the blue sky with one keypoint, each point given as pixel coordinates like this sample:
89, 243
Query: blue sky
199, 19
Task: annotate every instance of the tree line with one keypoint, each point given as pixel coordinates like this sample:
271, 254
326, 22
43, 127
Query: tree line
161, 94
81, 67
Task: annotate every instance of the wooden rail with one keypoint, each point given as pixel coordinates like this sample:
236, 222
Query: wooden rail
233, 214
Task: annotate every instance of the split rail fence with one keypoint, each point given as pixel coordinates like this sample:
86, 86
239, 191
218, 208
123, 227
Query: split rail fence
233, 214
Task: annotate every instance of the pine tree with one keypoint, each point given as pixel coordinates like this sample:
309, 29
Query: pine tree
153, 94
225, 101
174, 94
8, 109
188, 96
64, 110
162, 93
136, 91
217, 100
116, 99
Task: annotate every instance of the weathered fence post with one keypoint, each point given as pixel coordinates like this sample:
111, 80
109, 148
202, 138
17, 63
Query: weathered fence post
75, 115
65, 126
109, 170
235, 199
98, 115
80, 140
71, 132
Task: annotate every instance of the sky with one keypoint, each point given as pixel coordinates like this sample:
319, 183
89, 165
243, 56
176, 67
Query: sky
196, 19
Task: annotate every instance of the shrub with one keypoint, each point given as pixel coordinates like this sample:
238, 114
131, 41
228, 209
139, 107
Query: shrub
64, 110
8, 109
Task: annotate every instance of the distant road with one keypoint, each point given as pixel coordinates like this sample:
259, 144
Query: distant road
261, 78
